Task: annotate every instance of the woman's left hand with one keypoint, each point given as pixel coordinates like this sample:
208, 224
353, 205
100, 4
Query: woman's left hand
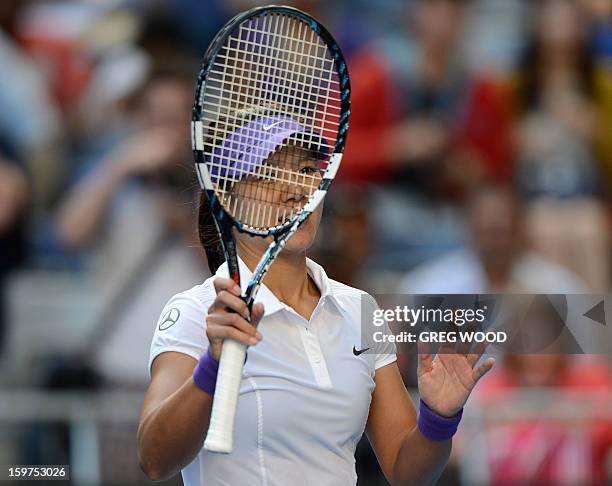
446, 381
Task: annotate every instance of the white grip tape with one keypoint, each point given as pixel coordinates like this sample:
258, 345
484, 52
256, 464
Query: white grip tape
204, 176
220, 436
197, 135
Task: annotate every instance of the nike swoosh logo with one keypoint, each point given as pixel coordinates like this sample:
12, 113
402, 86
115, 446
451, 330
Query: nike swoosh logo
267, 127
357, 352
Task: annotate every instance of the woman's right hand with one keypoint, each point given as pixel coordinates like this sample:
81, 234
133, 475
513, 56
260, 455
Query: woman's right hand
228, 317
146, 153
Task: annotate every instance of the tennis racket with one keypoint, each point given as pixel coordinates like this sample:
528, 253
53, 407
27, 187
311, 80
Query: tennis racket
269, 127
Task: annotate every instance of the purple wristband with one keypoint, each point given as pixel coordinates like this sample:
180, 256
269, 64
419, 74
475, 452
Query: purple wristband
436, 427
205, 373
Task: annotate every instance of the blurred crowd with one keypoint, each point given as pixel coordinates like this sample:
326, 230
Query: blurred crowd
479, 160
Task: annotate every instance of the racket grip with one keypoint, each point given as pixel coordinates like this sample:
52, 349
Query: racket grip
220, 436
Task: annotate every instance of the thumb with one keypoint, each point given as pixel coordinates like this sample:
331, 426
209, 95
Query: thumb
482, 369
257, 312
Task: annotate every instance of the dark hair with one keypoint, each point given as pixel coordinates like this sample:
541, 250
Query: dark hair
208, 235
530, 88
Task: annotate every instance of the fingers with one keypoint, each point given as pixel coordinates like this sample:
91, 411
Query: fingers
226, 325
425, 357
476, 353
482, 369
229, 297
229, 302
229, 316
221, 283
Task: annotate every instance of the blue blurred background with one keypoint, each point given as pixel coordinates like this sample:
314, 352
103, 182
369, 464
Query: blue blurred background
479, 160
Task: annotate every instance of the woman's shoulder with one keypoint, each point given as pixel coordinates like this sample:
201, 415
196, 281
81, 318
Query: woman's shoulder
339, 289
351, 298
201, 295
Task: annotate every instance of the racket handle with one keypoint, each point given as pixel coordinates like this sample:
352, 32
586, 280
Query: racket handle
220, 436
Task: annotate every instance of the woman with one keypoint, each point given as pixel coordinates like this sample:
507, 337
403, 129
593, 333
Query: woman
558, 131
309, 389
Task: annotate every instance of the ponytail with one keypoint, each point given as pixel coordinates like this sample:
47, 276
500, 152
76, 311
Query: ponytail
209, 237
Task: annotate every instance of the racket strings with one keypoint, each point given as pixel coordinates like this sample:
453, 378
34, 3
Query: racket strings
270, 68
275, 62
326, 131
279, 73
233, 50
273, 65
297, 89
271, 173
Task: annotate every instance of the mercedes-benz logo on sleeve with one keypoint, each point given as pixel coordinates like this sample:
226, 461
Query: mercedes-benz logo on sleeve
169, 319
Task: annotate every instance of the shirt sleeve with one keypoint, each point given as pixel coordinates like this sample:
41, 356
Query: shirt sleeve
377, 329
385, 351
181, 328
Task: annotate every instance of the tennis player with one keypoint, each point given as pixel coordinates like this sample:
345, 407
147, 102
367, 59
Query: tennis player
308, 390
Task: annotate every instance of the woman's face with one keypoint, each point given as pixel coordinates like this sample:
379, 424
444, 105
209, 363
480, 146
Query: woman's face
559, 26
439, 22
277, 191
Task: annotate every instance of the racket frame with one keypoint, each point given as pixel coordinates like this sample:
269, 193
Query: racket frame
220, 433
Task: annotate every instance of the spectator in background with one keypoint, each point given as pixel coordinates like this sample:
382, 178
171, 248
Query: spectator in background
89, 64
555, 138
407, 93
408, 89
30, 122
134, 210
555, 95
528, 451
157, 148
496, 258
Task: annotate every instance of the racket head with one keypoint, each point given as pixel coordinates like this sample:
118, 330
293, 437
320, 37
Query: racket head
270, 118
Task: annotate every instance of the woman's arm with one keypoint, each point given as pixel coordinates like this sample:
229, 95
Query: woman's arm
176, 412
81, 213
405, 456
174, 417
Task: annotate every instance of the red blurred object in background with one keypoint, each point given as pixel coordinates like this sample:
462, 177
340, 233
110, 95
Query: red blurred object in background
54, 37
485, 129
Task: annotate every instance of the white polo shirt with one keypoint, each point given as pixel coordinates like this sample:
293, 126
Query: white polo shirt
305, 395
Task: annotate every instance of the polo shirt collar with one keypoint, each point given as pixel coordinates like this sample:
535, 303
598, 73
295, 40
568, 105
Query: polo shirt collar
322, 281
265, 295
